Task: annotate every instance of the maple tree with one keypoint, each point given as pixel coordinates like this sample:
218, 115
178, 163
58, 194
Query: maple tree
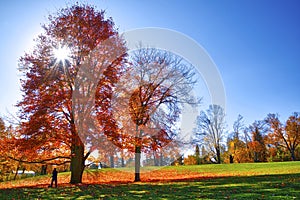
7, 140
58, 100
285, 135
238, 150
257, 145
148, 101
3, 160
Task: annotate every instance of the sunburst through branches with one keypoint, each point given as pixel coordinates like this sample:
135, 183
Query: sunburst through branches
61, 53
61, 56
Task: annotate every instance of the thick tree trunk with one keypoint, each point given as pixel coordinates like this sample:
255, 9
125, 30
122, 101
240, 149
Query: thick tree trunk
137, 163
77, 161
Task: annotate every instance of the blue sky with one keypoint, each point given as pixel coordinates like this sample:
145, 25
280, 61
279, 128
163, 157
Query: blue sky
255, 45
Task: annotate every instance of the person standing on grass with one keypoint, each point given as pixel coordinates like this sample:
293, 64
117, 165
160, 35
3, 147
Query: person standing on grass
54, 177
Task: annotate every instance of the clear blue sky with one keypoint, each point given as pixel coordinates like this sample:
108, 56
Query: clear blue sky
255, 45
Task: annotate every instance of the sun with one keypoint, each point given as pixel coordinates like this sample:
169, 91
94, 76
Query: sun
60, 60
61, 53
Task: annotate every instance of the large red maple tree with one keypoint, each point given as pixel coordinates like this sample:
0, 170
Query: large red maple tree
58, 100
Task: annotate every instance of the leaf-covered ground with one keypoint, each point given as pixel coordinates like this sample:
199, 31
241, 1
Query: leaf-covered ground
236, 181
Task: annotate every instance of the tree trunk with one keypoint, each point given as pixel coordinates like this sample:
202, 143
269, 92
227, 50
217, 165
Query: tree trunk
77, 161
218, 155
44, 169
122, 159
112, 161
161, 158
137, 163
155, 158
23, 171
231, 159
293, 154
15, 176
122, 162
256, 157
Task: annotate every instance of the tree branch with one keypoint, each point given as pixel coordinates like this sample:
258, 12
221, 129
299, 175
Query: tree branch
41, 161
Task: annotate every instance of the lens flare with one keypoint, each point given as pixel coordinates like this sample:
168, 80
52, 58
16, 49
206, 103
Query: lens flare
62, 53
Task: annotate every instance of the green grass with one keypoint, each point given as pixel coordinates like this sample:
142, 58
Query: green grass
245, 168
236, 181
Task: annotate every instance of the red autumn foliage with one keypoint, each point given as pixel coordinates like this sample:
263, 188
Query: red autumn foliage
47, 111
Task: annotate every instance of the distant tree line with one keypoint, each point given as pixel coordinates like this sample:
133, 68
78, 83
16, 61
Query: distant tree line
266, 140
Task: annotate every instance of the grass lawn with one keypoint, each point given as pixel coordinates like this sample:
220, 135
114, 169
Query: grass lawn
235, 181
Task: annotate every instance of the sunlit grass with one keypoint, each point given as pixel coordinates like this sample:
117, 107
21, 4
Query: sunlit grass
237, 181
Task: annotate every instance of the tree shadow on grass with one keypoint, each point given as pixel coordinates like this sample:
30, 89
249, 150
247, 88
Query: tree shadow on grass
283, 186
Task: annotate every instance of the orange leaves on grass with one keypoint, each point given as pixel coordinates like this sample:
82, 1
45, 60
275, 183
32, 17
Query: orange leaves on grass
111, 177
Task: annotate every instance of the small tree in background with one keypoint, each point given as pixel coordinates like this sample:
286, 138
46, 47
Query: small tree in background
211, 129
285, 136
258, 146
190, 160
237, 148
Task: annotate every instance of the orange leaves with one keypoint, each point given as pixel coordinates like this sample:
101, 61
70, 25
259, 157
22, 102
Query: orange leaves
48, 109
286, 135
190, 160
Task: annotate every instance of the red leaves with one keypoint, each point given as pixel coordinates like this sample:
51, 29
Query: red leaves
47, 108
